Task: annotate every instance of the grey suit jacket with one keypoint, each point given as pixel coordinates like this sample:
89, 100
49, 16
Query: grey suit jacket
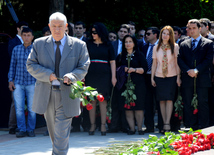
74, 64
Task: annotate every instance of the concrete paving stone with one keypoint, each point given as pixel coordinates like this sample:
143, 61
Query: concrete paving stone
80, 142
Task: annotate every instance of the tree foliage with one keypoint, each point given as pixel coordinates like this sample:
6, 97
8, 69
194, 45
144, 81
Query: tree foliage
111, 12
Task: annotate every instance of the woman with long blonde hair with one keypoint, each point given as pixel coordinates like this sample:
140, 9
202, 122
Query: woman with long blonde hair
165, 73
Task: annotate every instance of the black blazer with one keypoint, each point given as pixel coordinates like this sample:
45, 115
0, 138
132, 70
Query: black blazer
12, 43
203, 54
115, 46
144, 49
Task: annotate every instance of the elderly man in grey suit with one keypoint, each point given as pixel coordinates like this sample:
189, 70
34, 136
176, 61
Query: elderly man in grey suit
53, 57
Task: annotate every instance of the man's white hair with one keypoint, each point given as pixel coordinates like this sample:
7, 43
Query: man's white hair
58, 16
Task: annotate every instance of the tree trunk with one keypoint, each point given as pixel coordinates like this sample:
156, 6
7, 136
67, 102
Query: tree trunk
56, 6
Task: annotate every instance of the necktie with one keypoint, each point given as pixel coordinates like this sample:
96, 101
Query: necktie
57, 58
149, 58
193, 44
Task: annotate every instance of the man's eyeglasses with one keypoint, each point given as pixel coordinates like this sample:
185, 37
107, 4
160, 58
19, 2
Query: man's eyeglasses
94, 32
141, 35
148, 34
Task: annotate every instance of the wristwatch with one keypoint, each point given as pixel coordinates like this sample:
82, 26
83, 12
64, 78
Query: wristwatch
196, 71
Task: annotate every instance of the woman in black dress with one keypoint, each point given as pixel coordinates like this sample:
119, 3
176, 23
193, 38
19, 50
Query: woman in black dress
138, 66
102, 71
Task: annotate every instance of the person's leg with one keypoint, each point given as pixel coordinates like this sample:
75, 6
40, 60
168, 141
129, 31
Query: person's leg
19, 100
139, 119
130, 119
58, 124
31, 123
103, 112
149, 106
203, 108
92, 115
12, 117
163, 110
190, 120
169, 108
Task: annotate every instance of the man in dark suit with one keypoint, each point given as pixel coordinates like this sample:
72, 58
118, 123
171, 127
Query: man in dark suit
52, 57
152, 35
117, 45
194, 59
79, 29
17, 40
118, 120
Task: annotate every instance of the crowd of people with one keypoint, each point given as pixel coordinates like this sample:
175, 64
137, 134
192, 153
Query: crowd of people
147, 67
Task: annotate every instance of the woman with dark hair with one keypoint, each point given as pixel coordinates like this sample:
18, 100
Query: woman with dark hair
102, 71
165, 73
138, 66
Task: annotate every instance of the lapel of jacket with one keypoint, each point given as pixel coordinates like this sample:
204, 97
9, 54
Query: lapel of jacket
49, 47
67, 48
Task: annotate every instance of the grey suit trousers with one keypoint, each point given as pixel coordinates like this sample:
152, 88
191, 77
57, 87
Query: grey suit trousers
58, 124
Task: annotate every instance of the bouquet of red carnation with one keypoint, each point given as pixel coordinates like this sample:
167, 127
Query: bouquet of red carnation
129, 95
78, 90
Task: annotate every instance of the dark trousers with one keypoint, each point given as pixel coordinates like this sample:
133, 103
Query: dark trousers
150, 104
118, 117
211, 105
201, 119
83, 120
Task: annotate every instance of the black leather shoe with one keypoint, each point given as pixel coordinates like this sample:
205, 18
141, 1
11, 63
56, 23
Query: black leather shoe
21, 134
141, 132
103, 133
130, 132
91, 132
149, 130
31, 134
12, 131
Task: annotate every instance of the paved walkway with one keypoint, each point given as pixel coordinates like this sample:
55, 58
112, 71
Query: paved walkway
80, 143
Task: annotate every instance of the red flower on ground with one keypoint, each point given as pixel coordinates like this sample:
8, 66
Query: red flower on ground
195, 111
100, 98
89, 106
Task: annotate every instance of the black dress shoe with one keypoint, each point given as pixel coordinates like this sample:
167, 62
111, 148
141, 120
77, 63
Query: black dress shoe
91, 132
21, 134
131, 132
103, 133
31, 134
149, 130
12, 131
75, 130
140, 132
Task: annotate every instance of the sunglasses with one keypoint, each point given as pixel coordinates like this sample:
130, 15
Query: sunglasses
94, 32
112, 37
141, 35
148, 34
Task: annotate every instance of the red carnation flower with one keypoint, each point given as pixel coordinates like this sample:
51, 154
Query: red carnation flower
89, 106
176, 115
100, 98
180, 118
195, 111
